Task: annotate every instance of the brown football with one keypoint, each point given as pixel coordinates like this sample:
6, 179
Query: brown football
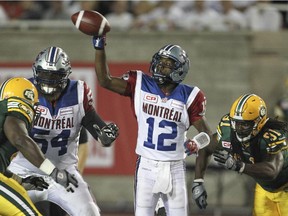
90, 22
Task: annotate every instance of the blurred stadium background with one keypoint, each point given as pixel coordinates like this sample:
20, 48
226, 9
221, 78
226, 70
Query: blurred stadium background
223, 64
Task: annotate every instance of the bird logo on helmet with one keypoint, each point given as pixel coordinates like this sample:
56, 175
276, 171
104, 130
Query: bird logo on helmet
180, 69
248, 109
21, 88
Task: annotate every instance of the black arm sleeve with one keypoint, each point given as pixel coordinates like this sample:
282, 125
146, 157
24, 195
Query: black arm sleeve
83, 136
91, 118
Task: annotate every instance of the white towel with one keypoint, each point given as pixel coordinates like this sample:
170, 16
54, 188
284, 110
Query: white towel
163, 182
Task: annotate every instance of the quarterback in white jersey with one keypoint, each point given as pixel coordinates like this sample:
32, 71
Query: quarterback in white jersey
165, 109
65, 106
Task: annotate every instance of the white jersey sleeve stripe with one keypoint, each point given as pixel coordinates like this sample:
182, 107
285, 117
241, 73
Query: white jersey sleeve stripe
81, 96
192, 96
137, 93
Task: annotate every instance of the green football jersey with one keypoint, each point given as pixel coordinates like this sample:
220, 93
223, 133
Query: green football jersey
268, 141
19, 109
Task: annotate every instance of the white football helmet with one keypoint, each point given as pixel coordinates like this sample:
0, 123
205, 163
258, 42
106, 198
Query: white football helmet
180, 69
51, 70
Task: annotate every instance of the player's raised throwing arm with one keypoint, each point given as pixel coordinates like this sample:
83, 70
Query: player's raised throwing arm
107, 81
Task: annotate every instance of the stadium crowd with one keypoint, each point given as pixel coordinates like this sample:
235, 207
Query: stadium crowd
157, 15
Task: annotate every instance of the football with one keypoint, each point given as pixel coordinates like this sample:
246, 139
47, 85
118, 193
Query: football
91, 22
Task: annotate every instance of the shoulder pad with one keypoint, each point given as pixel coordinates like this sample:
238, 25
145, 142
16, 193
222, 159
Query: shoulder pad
19, 106
223, 126
225, 121
276, 141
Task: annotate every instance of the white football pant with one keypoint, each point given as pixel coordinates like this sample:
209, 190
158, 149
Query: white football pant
156, 179
80, 202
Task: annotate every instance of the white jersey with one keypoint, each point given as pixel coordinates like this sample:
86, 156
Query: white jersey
57, 133
163, 120
58, 128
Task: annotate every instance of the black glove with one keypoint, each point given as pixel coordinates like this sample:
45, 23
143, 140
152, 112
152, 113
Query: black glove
199, 193
161, 212
34, 183
65, 179
225, 159
107, 134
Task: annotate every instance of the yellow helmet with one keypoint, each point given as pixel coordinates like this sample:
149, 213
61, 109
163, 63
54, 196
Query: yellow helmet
21, 88
248, 115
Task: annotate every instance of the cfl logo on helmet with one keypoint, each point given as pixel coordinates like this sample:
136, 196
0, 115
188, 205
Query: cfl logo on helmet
183, 55
29, 94
164, 52
65, 60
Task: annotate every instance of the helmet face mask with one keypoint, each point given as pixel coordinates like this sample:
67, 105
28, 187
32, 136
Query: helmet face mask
163, 68
51, 70
248, 115
243, 129
51, 81
179, 69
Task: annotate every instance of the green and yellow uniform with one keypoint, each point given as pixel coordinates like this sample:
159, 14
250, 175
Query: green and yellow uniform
14, 199
269, 195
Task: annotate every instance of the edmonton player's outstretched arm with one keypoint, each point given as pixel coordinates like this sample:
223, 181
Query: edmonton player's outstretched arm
268, 169
16, 132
